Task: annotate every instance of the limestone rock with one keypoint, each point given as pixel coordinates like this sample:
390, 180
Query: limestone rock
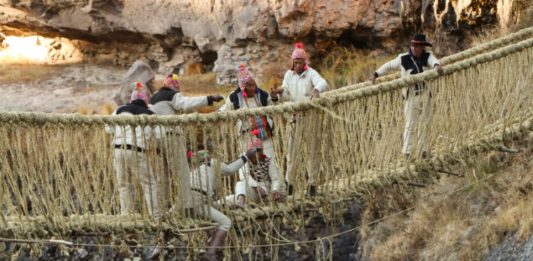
173, 33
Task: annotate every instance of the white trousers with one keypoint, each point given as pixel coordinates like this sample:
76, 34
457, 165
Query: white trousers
251, 194
303, 136
203, 209
417, 113
174, 179
129, 164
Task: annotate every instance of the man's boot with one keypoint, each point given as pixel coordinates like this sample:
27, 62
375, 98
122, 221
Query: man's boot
290, 188
155, 253
311, 191
216, 241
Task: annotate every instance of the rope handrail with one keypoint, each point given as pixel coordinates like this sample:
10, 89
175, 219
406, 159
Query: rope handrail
289, 107
516, 131
448, 60
64, 172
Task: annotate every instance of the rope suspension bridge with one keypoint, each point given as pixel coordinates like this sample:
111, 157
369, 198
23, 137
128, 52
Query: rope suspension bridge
58, 177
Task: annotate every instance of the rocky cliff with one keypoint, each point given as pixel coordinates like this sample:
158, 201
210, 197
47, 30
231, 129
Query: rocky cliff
220, 34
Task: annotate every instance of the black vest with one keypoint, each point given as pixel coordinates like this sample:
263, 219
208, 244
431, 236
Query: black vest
408, 62
234, 98
136, 107
416, 65
164, 94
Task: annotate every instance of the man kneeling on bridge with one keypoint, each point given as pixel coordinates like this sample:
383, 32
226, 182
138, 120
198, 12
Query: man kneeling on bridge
203, 183
260, 179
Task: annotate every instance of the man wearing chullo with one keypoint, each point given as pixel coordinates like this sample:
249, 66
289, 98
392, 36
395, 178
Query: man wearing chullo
249, 96
417, 107
203, 183
130, 155
168, 101
300, 83
260, 179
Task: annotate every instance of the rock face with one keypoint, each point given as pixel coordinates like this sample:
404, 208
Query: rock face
512, 249
338, 247
221, 34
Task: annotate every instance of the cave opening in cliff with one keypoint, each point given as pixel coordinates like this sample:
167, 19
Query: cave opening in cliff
208, 60
37, 49
358, 38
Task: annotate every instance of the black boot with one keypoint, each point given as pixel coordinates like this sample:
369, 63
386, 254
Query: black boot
311, 190
290, 189
217, 240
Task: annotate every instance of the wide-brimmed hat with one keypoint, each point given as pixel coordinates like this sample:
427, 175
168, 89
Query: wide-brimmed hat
420, 39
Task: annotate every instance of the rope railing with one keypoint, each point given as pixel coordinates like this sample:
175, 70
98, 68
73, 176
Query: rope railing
448, 60
347, 94
59, 170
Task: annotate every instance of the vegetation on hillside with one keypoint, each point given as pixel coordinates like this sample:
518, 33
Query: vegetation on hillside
17, 73
456, 218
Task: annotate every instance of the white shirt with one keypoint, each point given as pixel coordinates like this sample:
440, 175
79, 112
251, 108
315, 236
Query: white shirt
396, 64
298, 87
179, 103
204, 177
247, 103
124, 134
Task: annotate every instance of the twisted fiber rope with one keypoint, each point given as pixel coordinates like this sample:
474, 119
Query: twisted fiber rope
64, 119
65, 169
380, 179
517, 131
448, 60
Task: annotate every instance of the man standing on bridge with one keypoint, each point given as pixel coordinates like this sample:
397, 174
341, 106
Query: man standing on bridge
169, 101
131, 146
417, 98
301, 83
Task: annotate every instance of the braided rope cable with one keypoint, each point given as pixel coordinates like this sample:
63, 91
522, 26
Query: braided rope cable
56, 166
290, 107
517, 131
448, 60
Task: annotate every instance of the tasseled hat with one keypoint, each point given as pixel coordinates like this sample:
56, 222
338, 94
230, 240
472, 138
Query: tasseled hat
244, 77
255, 144
171, 81
138, 93
299, 52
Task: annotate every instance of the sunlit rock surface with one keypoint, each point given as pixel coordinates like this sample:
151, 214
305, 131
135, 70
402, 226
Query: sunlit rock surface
221, 34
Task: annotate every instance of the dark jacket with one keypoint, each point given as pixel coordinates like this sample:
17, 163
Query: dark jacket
234, 97
135, 107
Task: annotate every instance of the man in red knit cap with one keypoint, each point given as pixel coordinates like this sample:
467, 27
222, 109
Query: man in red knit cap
301, 83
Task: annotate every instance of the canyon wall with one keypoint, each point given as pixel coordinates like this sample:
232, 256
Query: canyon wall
221, 34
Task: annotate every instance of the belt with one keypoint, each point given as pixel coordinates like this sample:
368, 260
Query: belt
201, 191
170, 133
420, 91
129, 147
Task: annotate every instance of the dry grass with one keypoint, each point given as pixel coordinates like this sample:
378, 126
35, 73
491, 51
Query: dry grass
12, 73
523, 14
105, 109
347, 66
454, 226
